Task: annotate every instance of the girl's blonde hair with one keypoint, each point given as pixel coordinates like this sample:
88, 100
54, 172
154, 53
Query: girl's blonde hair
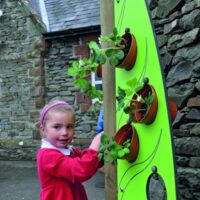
56, 106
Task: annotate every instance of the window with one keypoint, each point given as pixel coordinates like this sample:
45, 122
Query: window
97, 82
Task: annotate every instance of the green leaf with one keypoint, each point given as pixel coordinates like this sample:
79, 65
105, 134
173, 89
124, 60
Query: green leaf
121, 92
93, 45
115, 32
105, 38
106, 157
149, 99
127, 110
119, 54
113, 61
114, 154
118, 40
71, 72
82, 62
83, 83
126, 150
96, 93
102, 148
121, 153
93, 57
112, 145
102, 58
120, 98
100, 156
121, 104
73, 69
74, 64
104, 139
109, 52
112, 37
131, 83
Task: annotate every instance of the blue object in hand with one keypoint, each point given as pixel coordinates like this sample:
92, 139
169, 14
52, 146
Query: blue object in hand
100, 123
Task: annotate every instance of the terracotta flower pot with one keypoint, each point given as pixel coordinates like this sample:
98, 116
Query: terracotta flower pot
130, 52
128, 132
172, 109
148, 114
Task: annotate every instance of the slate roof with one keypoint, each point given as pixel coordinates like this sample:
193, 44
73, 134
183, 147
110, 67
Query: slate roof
72, 14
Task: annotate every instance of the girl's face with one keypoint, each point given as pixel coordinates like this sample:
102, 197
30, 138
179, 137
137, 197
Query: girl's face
59, 128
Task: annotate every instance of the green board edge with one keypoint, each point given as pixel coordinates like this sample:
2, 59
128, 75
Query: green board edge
155, 140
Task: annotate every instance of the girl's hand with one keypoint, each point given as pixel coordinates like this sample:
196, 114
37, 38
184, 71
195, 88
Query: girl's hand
96, 142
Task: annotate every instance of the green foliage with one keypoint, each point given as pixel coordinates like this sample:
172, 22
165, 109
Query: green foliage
81, 70
133, 86
110, 150
114, 50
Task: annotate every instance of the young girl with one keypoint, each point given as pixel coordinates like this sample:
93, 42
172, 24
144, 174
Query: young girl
62, 168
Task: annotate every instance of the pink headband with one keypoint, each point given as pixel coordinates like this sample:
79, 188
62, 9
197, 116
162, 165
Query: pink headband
49, 107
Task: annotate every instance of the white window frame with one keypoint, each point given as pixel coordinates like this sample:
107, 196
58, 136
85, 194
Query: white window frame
94, 83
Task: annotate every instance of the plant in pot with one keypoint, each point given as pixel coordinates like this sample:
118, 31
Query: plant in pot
120, 51
142, 107
124, 145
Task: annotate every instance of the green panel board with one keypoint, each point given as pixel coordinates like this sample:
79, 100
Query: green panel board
155, 140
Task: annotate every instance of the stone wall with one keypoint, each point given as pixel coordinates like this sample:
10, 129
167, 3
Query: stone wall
59, 56
21, 77
177, 24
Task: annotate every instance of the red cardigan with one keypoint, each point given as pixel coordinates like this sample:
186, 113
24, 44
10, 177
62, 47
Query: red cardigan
61, 176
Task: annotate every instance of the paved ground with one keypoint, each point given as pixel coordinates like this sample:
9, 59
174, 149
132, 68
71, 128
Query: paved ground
19, 181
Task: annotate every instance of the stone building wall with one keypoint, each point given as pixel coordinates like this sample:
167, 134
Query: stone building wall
33, 72
21, 77
177, 24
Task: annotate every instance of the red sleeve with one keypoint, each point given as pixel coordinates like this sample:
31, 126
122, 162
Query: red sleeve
79, 168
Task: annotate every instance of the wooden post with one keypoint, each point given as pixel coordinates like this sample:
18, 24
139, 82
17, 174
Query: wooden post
107, 24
